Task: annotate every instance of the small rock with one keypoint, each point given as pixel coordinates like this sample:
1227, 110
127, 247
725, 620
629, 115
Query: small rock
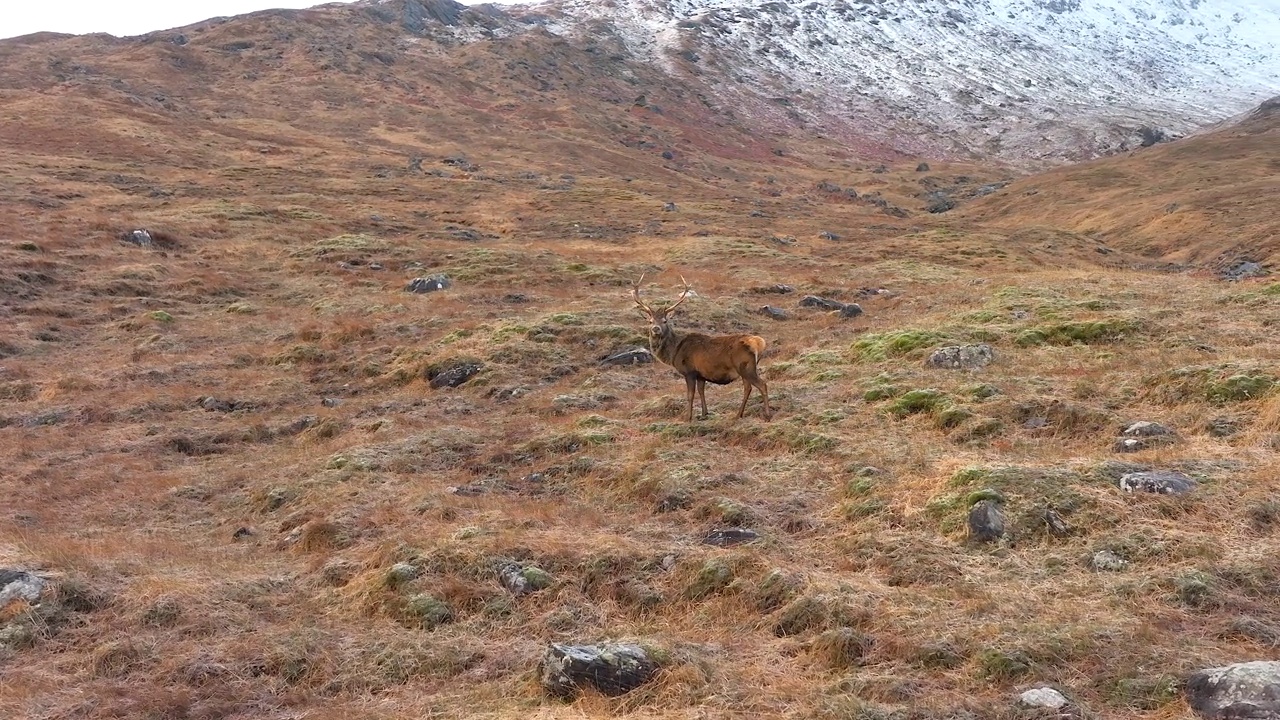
779, 289
1242, 690
1144, 428
851, 310
141, 238
213, 404
1054, 522
672, 502
669, 207
986, 523
1035, 423
611, 669
433, 283
783, 239
1138, 444
922, 167
730, 536
939, 202
1243, 270
455, 375
820, 302
775, 313
1043, 697
1164, 482
634, 356
828, 235
20, 585
524, 580
330, 402
962, 357
241, 533
401, 573
1223, 426
1108, 561
668, 155
427, 612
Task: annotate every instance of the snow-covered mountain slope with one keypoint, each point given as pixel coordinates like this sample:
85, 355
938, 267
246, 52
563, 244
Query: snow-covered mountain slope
1021, 80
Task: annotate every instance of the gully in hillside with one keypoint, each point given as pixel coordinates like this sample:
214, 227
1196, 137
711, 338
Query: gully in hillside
701, 359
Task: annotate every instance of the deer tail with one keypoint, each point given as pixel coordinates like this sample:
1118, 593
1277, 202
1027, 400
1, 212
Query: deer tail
756, 344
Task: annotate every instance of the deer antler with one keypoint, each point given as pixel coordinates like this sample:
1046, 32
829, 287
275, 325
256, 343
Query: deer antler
683, 296
635, 292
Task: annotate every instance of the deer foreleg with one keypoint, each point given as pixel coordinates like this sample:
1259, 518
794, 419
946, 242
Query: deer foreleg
691, 383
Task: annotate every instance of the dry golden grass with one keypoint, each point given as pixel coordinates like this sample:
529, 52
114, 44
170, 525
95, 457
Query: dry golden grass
233, 560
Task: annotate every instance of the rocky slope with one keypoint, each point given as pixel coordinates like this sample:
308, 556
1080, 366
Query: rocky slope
1021, 80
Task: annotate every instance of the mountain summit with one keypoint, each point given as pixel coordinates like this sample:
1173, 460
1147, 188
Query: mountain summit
1019, 80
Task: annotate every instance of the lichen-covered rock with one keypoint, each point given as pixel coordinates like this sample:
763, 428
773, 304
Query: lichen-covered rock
1043, 697
612, 669
1146, 428
1108, 561
730, 536
1164, 482
634, 356
962, 357
986, 523
1243, 690
524, 580
420, 285
20, 585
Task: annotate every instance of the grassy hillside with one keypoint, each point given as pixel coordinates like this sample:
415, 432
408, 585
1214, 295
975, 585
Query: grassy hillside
226, 451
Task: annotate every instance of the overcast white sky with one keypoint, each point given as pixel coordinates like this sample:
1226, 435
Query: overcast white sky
127, 17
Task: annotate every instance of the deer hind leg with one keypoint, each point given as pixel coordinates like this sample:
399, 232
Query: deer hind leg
746, 395
751, 377
702, 395
691, 383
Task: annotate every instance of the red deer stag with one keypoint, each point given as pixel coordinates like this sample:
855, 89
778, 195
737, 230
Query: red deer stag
701, 359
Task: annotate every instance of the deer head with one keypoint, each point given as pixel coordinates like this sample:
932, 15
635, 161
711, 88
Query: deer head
659, 320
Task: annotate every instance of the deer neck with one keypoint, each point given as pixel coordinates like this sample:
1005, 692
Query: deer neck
664, 346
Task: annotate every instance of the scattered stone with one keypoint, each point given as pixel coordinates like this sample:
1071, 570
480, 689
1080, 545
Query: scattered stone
466, 234
1164, 482
846, 310
427, 612
634, 356
783, 239
1242, 690
775, 313
20, 585
213, 404
1108, 561
433, 283
669, 207
454, 375
1035, 423
922, 167
330, 402
778, 289
241, 533
1243, 270
1144, 428
672, 502
939, 202
1043, 697
1054, 522
828, 235
141, 238
1138, 444
730, 536
613, 669
986, 523
668, 155
524, 580
1223, 426
460, 162
962, 357
515, 298
401, 573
